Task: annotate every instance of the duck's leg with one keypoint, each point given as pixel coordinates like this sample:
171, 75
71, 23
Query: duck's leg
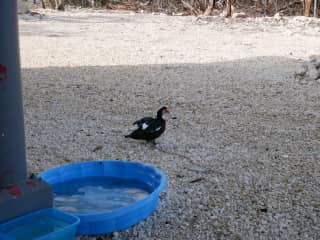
153, 141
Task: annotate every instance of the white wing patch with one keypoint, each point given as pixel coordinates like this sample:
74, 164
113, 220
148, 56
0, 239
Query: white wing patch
144, 126
158, 129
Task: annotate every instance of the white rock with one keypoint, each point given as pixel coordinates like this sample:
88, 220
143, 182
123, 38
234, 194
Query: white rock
300, 19
239, 15
277, 15
223, 14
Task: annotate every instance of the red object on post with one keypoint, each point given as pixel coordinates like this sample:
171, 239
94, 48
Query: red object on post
3, 69
14, 190
3, 72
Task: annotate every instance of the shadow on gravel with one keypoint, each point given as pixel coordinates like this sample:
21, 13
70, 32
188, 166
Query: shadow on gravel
268, 81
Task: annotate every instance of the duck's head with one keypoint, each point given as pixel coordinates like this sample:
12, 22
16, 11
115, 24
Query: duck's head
162, 111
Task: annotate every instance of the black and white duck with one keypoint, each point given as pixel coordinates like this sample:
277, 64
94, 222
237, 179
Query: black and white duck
150, 128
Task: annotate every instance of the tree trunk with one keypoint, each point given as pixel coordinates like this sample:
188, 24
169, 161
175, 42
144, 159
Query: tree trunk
61, 5
307, 8
57, 4
210, 7
229, 8
315, 9
43, 4
275, 3
193, 10
52, 4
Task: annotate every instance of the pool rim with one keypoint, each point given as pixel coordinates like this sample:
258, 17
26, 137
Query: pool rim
154, 194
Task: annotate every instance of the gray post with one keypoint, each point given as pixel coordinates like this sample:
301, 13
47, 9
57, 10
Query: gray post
12, 142
18, 195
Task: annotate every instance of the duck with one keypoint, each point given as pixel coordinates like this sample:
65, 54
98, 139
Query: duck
150, 128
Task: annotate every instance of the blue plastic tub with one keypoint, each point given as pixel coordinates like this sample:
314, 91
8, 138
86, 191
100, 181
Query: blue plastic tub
41, 225
106, 195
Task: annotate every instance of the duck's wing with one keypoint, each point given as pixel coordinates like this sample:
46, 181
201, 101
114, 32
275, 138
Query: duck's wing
156, 126
144, 123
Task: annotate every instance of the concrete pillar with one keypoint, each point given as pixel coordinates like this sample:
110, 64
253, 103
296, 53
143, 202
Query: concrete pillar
12, 142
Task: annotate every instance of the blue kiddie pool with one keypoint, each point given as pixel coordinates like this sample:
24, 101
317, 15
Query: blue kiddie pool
107, 196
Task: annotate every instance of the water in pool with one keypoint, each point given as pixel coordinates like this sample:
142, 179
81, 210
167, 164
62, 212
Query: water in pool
38, 227
98, 194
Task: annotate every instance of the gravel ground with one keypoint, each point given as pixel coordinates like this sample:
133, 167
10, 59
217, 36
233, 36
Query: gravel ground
243, 148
